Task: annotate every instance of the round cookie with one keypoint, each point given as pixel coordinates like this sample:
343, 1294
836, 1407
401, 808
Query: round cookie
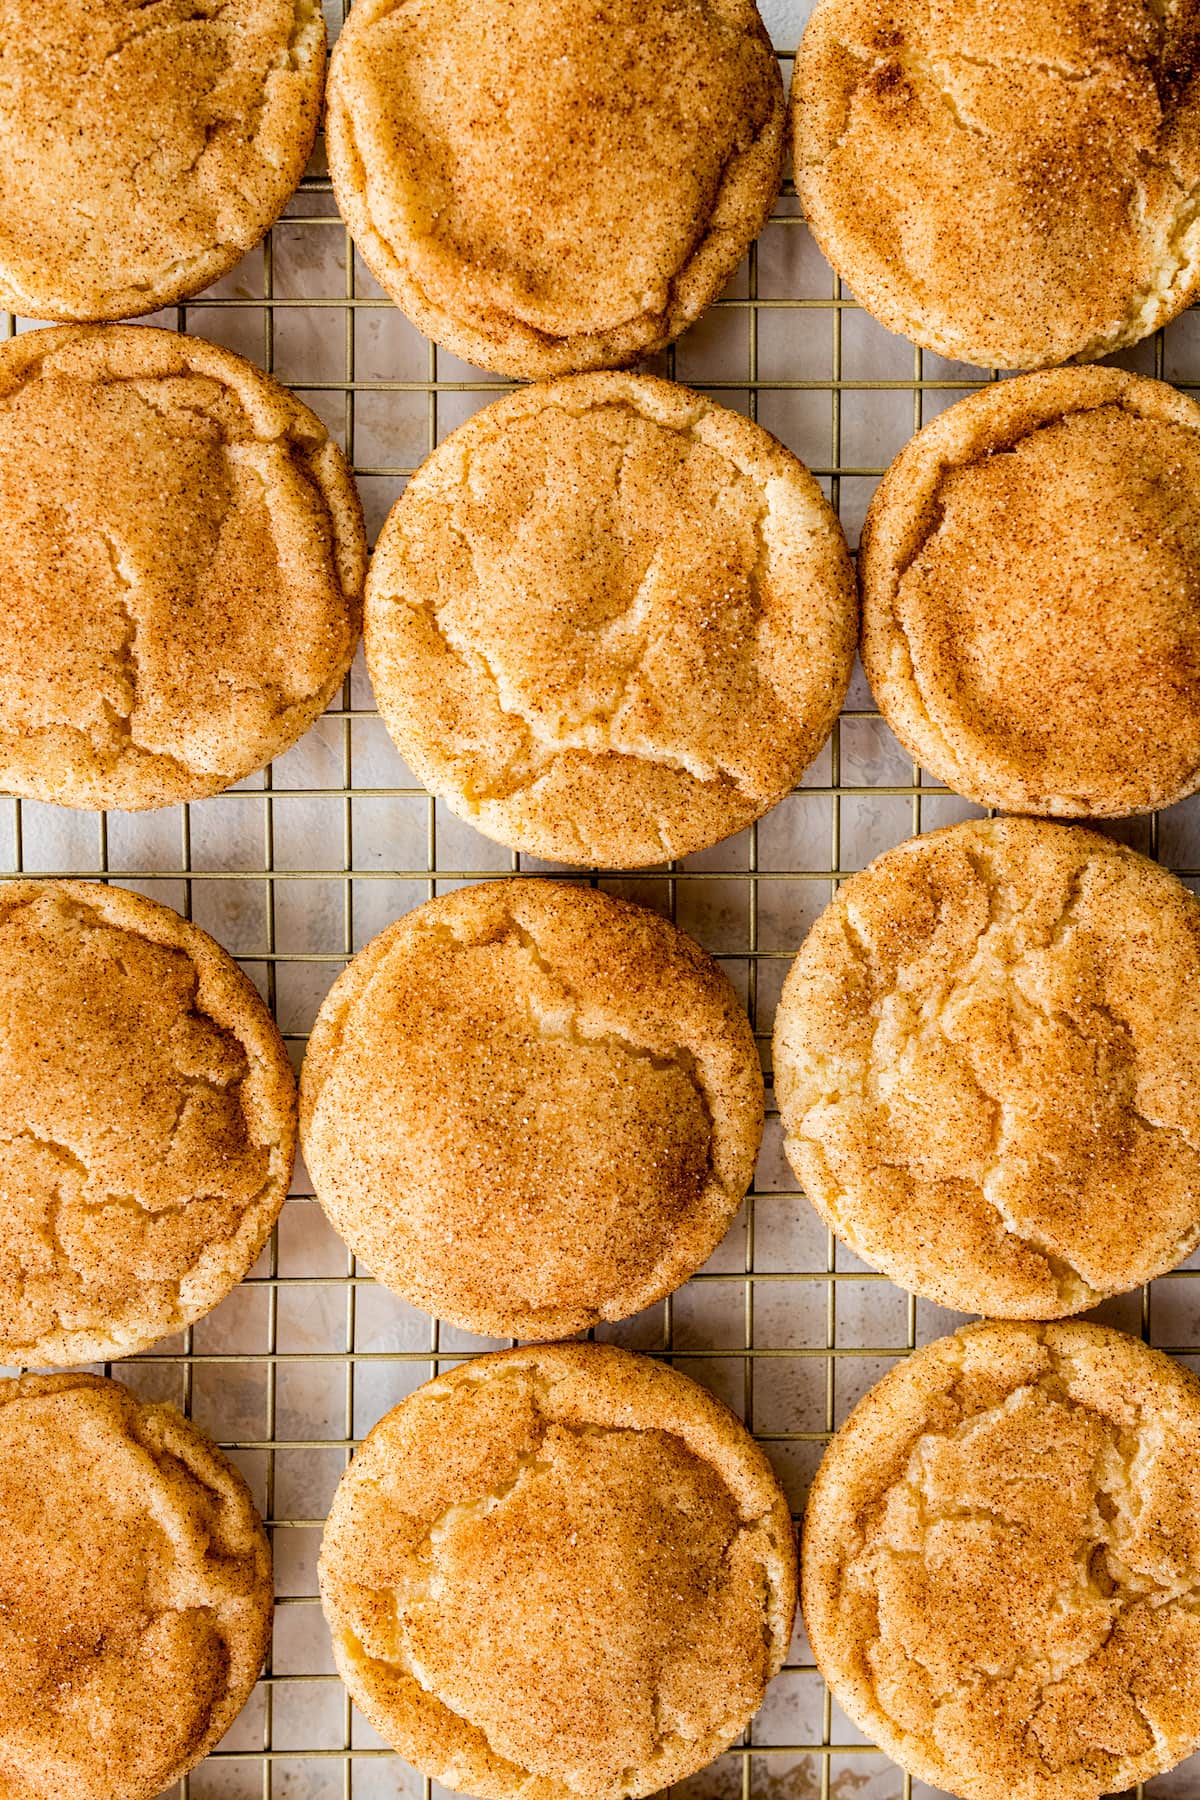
182, 564
135, 1592
1001, 1555
552, 185
146, 145
987, 1062
530, 1107
1007, 182
1030, 570
147, 1123
609, 622
565, 1571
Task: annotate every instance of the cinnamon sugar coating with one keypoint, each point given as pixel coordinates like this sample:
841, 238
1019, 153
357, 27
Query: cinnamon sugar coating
530, 1107
135, 1592
610, 622
1002, 1561
563, 1573
182, 562
147, 1123
987, 1060
1007, 182
552, 185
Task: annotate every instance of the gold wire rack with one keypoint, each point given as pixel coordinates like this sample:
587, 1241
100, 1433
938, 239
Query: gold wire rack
295, 869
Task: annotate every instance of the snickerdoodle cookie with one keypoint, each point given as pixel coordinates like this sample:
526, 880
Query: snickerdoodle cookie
1002, 1563
609, 622
181, 560
1007, 182
1031, 595
987, 1059
549, 185
146, 145
566, 1571
135, 1592
147, 1123
529, 1107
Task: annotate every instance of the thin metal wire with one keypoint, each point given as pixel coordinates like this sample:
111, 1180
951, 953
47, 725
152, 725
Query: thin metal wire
794, 1372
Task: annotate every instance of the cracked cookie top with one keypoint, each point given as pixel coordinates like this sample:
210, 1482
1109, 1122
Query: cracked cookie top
551, 185
182, 563
146, 145
530, 1107
987, 1061
147, 1123
1008, 182
609, 622
1002, 1563
135, 1592
565, 1573
1031, 595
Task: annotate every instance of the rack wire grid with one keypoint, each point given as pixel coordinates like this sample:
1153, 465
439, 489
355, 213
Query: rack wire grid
297, 868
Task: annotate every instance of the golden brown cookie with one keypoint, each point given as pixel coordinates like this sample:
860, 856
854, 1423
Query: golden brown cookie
1001, 1561
1031, 595
549, 185
565, 1572
609, 622
987, 1060
135, 1592
529, 1107
146, 145
1007, 182
182, 563
147, 1123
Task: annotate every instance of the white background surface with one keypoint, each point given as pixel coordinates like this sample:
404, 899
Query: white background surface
294, 870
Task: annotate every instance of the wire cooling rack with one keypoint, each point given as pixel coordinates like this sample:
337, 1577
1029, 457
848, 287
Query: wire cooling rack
296, 869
